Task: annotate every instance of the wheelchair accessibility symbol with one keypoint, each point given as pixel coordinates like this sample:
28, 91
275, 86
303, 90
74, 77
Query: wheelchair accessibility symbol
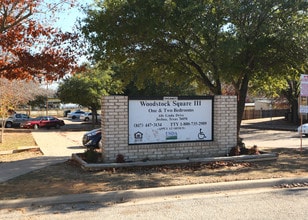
201, 135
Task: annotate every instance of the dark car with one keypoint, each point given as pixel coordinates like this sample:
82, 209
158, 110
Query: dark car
92, 139
43, 122
66, 112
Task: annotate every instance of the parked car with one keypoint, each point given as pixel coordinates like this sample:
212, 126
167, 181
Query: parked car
66, 112
15, 120
43, 122
88, 116
303, 129
75, 114
92, 138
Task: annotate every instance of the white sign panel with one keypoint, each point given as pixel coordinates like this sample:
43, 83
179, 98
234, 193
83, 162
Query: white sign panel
304, 85
303, 106
170, 120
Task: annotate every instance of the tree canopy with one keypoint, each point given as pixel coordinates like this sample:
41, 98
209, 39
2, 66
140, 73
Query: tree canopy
87, 88
14, 93
31, 48
207, 42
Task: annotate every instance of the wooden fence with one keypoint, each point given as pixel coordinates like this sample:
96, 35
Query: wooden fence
252, 114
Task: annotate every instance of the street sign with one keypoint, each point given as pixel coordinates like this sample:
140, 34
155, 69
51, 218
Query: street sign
303, 105
304, 85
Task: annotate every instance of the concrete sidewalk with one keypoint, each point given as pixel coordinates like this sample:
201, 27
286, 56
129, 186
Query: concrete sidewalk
59, 143
14, 169
56, 146
161, 193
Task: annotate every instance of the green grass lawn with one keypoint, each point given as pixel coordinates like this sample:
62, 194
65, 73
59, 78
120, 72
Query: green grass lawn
14, 140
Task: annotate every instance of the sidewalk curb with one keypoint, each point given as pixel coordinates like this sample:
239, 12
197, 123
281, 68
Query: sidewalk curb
160, 192
260, 127
241, 158
19, 149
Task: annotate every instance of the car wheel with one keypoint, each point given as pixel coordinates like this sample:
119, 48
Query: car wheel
57, 126
73, 117
36, 126
8, 124
86, 119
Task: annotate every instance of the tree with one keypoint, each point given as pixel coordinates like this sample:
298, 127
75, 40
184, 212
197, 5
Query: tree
209, 42
150, 87
271, 40
291, 91
41, 99
87, 88
280, 86
30, 48
153, 89
14, 93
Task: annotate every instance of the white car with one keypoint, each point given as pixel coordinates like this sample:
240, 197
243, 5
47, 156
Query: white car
75, 114
88, 116
303, 129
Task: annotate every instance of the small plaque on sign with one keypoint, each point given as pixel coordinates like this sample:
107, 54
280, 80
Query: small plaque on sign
170, 98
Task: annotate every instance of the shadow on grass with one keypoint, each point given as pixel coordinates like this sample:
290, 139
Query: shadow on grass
68, 178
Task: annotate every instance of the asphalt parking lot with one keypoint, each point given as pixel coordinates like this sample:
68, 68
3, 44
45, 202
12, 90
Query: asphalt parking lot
272, 138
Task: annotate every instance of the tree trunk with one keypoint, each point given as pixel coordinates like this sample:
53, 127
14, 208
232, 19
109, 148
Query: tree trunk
294, 111
94, 116
2, 131
241, 100
292, 93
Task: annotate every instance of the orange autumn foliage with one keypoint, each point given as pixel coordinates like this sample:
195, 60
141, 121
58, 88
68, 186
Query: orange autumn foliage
29, 48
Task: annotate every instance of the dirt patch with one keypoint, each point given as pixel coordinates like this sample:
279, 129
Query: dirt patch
69, 178
21, 155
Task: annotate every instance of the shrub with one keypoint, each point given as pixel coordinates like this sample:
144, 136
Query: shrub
120, 158
91, 155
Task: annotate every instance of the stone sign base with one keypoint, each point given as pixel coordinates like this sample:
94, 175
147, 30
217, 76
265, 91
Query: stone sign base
115, 134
